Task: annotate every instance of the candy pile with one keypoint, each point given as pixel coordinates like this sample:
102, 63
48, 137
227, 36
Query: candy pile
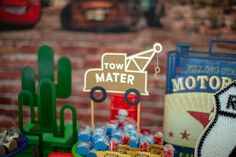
9, 139
110, 137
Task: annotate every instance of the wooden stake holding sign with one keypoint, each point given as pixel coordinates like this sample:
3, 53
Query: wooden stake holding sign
92, 115
120, 74
138, 118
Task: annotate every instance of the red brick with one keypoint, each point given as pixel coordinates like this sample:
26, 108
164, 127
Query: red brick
151, 68
9, 75
29, 49
129, 51
149, 122
157, 83
17, 64
75, 51
76, 65
9, 88
12, 112
157, 111
86, 117
7, 49
157, 96
5, 100
92, 63
7, 122
61, 102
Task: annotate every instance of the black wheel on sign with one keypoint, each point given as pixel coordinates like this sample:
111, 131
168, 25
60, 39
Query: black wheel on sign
134, 91
98, 89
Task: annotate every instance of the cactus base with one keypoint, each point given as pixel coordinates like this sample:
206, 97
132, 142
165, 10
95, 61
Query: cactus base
50, 143
49, 139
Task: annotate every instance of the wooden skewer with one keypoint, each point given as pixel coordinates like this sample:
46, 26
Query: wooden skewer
138, 117
92, 115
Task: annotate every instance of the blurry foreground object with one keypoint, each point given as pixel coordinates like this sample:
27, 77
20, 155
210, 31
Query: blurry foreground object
12, 142
22, 13
46, 3
204, 17
101, 15
59, 154
153, 10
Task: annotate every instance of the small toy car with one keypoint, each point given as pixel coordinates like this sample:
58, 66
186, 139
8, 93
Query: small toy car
20, 12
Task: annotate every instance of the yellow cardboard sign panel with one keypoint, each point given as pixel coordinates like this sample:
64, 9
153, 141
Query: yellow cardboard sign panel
118, 154
146, 154
124, 149
110, 154
154, 150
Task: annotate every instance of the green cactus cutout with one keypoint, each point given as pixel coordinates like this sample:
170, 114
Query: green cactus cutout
47, 106
46, 70
27, 94
63, 86
44, 97
28, 83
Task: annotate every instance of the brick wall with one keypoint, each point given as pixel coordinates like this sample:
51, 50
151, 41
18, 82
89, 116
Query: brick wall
84, 54
19, 49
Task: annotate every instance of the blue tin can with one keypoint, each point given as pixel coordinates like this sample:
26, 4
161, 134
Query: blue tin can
192, 79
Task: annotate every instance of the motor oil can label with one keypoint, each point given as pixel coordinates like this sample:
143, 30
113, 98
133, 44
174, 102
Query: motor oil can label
191, 83
186, 115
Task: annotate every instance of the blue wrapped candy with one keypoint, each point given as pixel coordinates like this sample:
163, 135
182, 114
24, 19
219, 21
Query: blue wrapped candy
147, 138
134, 142
98, 133
101, 144
117, 134
85, 135
92, 154
83, 148
129, 128
110, 127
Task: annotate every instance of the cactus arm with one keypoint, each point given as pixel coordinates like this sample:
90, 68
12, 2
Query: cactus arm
45, 63
74, 124
28, 83
47, 106
21, 96
63, 87
25, 95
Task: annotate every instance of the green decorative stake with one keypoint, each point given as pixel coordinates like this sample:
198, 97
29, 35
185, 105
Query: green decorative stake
45, 100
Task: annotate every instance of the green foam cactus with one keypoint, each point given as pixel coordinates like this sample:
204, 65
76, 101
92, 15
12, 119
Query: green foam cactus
46, 70
47, 106
44, 96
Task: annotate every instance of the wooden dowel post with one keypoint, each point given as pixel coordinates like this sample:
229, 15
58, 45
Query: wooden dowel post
92, 115
138, 118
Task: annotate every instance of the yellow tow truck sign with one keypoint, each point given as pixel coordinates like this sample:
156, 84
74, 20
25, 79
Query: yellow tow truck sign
114, 75
119, 72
